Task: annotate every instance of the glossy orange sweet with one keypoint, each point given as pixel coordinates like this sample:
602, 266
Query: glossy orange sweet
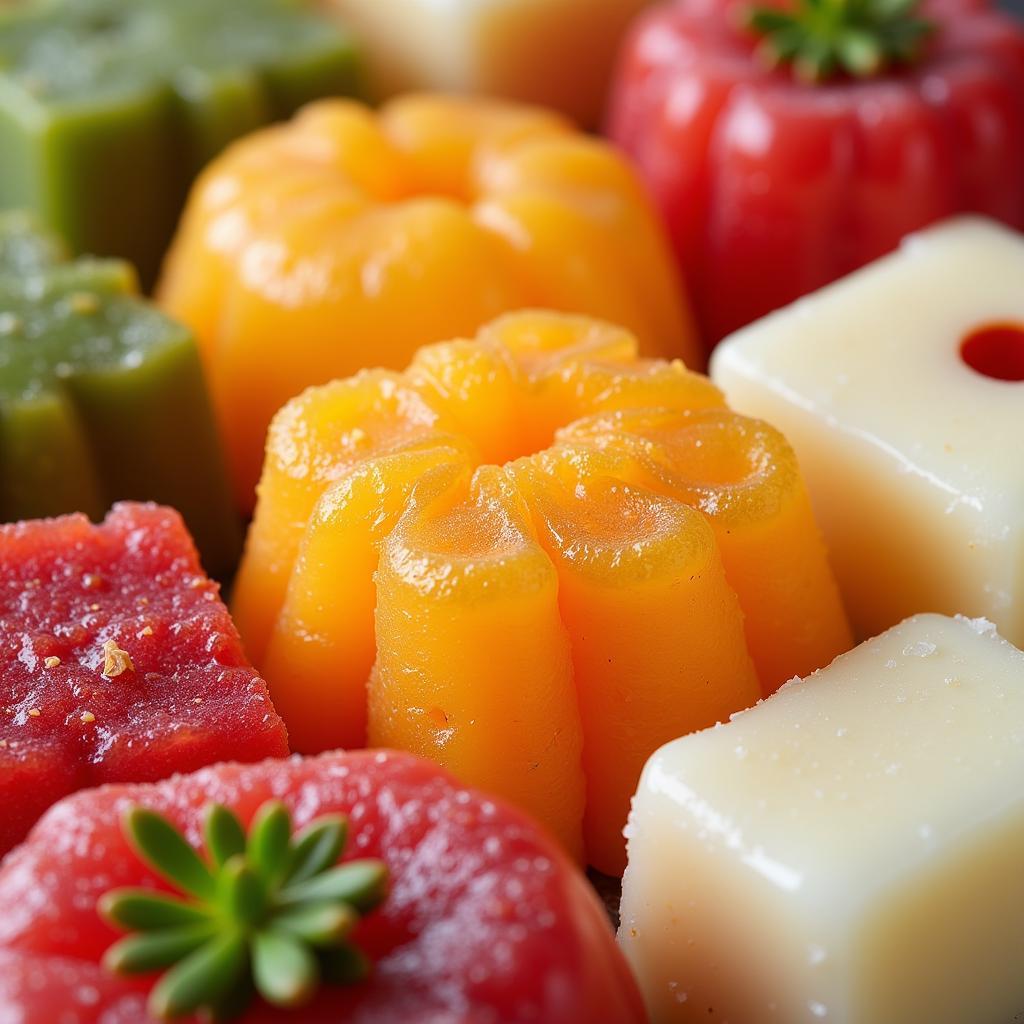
547, 556
348, 238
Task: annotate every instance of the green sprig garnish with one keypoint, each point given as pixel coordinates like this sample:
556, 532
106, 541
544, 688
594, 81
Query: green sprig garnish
268, 913
824, 38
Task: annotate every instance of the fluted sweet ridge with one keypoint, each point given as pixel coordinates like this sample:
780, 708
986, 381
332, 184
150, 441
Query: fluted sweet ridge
547, 555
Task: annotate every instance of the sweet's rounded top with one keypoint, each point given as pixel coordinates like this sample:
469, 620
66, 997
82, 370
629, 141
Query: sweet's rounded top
399, 227
484, 917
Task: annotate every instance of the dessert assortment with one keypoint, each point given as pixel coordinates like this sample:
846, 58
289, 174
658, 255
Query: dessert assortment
528, 604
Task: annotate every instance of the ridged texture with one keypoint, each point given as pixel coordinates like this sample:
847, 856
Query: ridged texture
348, 238
109, 109
539, 623
102, 397
771, 188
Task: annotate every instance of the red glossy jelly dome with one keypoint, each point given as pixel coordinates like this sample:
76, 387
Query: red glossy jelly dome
486, 920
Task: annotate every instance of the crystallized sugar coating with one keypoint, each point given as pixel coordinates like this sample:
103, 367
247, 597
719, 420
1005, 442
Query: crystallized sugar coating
485, 923
118, 662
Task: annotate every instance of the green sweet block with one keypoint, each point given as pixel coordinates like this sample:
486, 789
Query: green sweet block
102, 397
109, 108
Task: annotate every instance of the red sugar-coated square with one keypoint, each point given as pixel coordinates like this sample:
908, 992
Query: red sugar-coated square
188, 698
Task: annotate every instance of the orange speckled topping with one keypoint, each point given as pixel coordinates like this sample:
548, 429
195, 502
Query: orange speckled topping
546, 554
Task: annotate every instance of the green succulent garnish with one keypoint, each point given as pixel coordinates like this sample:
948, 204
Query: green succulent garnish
824, 38
268, 913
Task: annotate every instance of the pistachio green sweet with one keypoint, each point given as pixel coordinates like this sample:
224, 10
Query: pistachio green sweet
109, 108
102, 397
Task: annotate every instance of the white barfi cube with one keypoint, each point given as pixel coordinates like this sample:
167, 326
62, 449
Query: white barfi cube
850, 850
914, 459
554, 52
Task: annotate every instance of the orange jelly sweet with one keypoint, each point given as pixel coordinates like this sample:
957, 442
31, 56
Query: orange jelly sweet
533, 557
409, 225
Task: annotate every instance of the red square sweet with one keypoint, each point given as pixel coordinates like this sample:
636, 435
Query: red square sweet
118, 662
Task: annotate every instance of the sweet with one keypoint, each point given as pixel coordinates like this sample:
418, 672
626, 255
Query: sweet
348, 238
849, 850
910, 451
485, 918
118, 662
101, 397
558, 53
268, 909
108, 108
522, 516
790, 153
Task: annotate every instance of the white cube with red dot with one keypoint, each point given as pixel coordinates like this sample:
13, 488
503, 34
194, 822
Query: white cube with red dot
902, 389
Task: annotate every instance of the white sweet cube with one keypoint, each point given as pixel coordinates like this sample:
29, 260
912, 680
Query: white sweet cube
915, 461
555, 52
850, 850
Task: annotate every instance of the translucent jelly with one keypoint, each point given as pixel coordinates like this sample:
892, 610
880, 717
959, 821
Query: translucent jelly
102, 397
349, 237
547, 555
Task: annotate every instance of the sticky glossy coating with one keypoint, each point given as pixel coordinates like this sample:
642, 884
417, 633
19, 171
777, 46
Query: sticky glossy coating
532, 606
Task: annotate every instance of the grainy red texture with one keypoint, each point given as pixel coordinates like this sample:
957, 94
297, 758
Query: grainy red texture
771, 188
66, 587
487, 922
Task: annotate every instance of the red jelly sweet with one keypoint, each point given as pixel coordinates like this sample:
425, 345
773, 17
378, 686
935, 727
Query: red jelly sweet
486, 919
118, 662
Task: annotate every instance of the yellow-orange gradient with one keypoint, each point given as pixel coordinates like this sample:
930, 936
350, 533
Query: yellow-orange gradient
533, 557
348, 238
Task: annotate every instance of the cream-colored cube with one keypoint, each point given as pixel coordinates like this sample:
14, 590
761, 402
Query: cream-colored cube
850, 850
915, 461
554, 52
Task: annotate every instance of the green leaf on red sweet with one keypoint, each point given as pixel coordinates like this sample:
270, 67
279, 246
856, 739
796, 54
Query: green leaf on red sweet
487, 919
263, 908
359, 883
203, 980
223, 834
268, 848
823, 38
165, 850
284, 968
318, 846
145, 910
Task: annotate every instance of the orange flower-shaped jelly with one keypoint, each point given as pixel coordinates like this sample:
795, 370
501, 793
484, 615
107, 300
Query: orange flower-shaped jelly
533, 557
409, 225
